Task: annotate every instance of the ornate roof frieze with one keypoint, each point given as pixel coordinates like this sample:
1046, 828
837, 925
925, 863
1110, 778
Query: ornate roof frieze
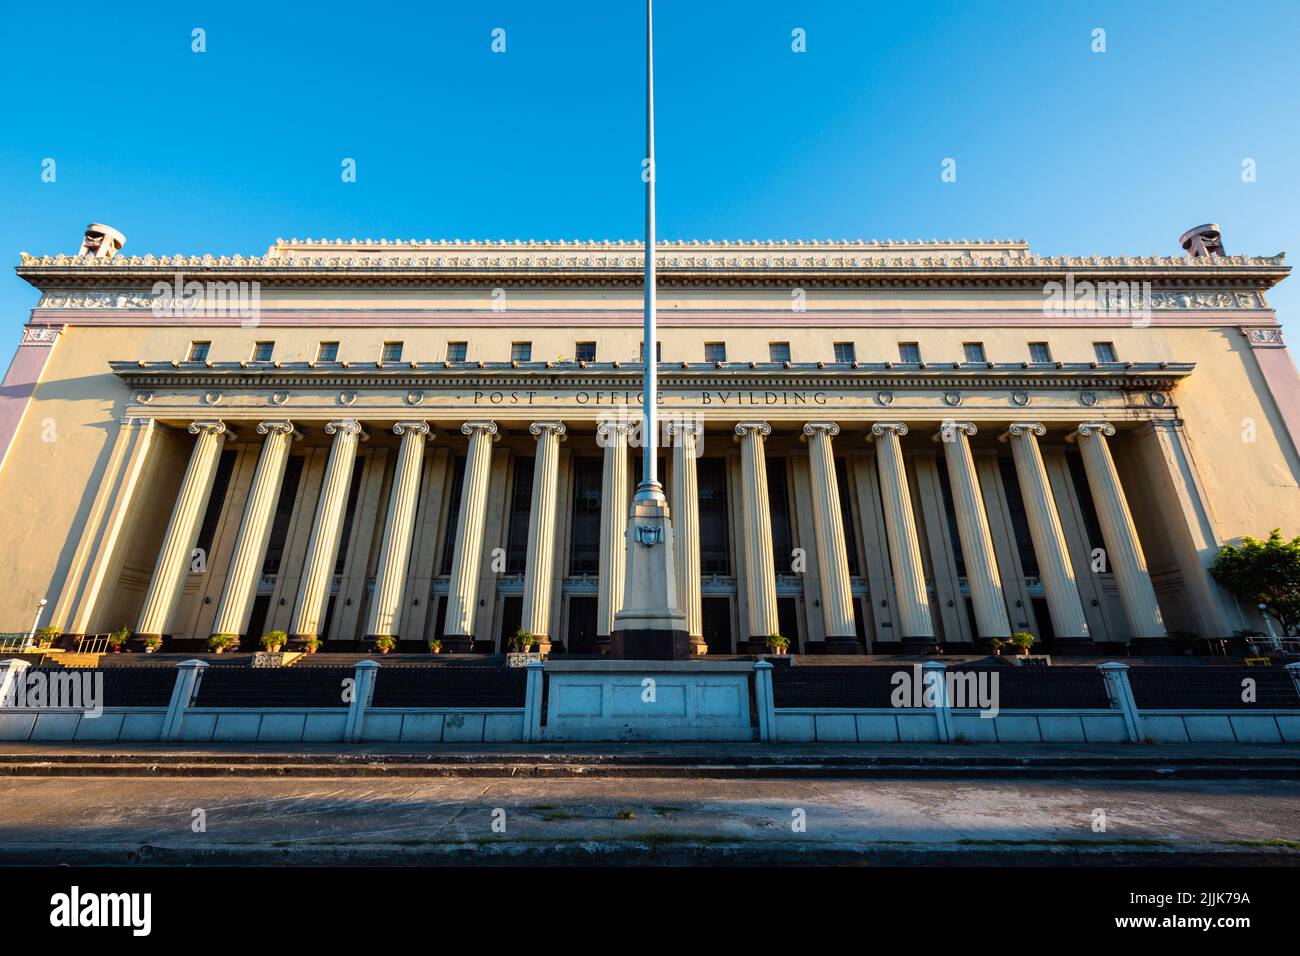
621, 263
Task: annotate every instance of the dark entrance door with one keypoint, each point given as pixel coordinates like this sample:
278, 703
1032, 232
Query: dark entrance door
252, 641
582, 625
512, 615
715, 622
787, 619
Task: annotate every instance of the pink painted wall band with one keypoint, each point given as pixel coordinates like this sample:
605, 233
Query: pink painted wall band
20, 381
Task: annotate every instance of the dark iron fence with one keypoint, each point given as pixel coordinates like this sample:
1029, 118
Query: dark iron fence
1056, 688
273, 686
1212, 688
453, 686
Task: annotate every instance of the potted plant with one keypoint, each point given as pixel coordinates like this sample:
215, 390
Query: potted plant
152, 643
998, 644
118, 638
777, 644
435, 646
311, 645
220, 643
1022, 640
384, 644
45, 636
522, 641
274, 641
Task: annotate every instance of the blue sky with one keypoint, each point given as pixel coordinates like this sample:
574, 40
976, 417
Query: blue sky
1077, 152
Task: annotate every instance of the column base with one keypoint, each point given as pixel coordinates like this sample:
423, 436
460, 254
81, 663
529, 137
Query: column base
921, 645
457, 643
542, 643
1153, 647
650, 644
698, 647
601, 645
1073, 647
836, 645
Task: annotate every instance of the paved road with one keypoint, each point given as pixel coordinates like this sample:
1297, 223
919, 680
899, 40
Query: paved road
102, 819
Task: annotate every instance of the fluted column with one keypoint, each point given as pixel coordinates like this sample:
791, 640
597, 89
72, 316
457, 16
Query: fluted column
1123, 549
183, 529
686, 527
612, 437
462, 594
760, 574
539, 571
982, 575
323, 547
1054, 567
832, 554
395, 552
254, 530
910, 595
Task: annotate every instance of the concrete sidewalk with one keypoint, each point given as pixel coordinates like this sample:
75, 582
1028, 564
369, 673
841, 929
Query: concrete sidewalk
646, 820
906, 761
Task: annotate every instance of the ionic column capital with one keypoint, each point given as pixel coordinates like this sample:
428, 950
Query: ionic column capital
612, 430
485, 428
948, 431
418, 428
346, 426
693, 429
744, 429
1086, 429
829, 429
278, 428
880, 429
557, 429
211, 427
1023, 429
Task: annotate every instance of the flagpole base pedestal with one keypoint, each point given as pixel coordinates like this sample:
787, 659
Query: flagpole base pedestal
650, 627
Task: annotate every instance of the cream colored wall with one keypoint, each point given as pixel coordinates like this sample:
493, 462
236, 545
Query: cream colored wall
48, 486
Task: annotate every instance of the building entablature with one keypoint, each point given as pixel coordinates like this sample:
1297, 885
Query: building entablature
711, 391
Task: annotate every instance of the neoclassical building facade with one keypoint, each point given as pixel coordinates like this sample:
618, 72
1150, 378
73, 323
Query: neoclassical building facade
867, 446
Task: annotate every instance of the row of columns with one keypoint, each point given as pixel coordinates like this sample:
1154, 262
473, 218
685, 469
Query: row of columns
910, 593
911, 598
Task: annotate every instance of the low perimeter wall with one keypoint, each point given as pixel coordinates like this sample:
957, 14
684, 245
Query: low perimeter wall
604, 700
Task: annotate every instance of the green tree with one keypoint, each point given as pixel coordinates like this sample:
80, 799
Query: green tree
1264, 572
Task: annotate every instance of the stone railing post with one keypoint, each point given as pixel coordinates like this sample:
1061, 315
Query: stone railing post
934, 674
362, 691
1294, 671
533, 701
11, 675
1120, 692
765, 701
184, 691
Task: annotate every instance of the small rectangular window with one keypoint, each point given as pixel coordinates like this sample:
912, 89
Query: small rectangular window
521, 351
262, 351
585, 351
1105, 351
456, 351
845, 352
715, 351
392, 352
973, 351
327, 352
909, 352
199, 351
778, 351
1039, 352
659, 352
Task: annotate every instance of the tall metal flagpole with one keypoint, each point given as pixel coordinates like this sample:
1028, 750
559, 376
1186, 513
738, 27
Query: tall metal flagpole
649, 489
650, 625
